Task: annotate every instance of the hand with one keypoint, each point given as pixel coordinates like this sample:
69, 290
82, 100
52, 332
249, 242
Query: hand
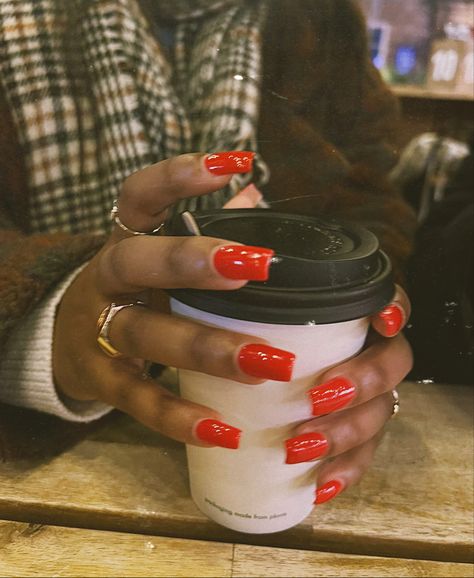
131, 267
354, 402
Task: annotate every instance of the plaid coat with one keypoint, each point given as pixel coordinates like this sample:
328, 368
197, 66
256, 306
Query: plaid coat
327, 129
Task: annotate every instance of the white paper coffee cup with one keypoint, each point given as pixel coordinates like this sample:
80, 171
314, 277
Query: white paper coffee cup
321, 315
252, 489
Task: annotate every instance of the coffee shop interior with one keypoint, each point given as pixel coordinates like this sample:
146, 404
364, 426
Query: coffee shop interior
116, 502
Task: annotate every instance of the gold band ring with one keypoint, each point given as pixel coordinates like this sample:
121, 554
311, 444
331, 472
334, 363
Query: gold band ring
103, 327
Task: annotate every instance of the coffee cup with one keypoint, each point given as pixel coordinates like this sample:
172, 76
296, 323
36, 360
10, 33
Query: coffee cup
325, 281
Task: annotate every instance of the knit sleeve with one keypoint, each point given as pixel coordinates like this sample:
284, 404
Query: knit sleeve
30, 267
329, 124
26, 367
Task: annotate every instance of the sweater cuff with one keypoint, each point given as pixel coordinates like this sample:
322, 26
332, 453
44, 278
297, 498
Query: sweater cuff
26, 370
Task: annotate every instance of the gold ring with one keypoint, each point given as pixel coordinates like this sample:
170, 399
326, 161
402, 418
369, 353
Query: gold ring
396, 403
115, 217
103, 327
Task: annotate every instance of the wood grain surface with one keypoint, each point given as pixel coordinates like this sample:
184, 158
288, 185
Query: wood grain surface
255, 562
35, 550
416, 502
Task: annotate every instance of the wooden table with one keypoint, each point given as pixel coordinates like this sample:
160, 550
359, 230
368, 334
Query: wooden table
117, 504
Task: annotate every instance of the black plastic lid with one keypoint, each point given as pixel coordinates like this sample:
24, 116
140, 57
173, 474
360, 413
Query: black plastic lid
323, 271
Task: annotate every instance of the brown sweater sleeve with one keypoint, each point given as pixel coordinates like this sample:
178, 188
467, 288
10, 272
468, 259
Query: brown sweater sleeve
328, 123
30, 265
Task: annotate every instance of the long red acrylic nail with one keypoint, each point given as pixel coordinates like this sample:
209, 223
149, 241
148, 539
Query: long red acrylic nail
392, 318
305, 447
218, 433
332, 395
327, 492
243, 262
229, 163
266, 362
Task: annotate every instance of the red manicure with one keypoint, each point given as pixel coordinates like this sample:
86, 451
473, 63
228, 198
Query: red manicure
305, 447
229, 163
332, 395
327, 492
392, 318
218, 433
267, 362
243, 262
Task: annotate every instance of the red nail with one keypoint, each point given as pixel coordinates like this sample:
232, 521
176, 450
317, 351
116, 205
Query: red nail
266, 362
305, 447
218, 433
243, 262
229, 163
392, 318
332, 395
327, 492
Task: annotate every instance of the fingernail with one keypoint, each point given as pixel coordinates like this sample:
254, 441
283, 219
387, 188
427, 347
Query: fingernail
392, 318
266, 362
243, 262
229, 163
305, 447
327, 492
332, 395
218, 433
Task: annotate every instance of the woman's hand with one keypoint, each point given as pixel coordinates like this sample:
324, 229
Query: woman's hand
133, 267
353, 401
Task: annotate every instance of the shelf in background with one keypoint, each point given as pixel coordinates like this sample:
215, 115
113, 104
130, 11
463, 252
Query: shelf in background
412, 91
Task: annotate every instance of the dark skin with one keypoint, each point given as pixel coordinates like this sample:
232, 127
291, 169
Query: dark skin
121, 272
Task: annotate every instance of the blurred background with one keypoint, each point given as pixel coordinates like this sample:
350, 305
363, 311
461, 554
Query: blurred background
424, 50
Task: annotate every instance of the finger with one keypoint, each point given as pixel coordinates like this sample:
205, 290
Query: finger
147, 193
247, 198
137, 263
377, 370
392, 318
158, 409
340, 432
346, 470
139, 332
